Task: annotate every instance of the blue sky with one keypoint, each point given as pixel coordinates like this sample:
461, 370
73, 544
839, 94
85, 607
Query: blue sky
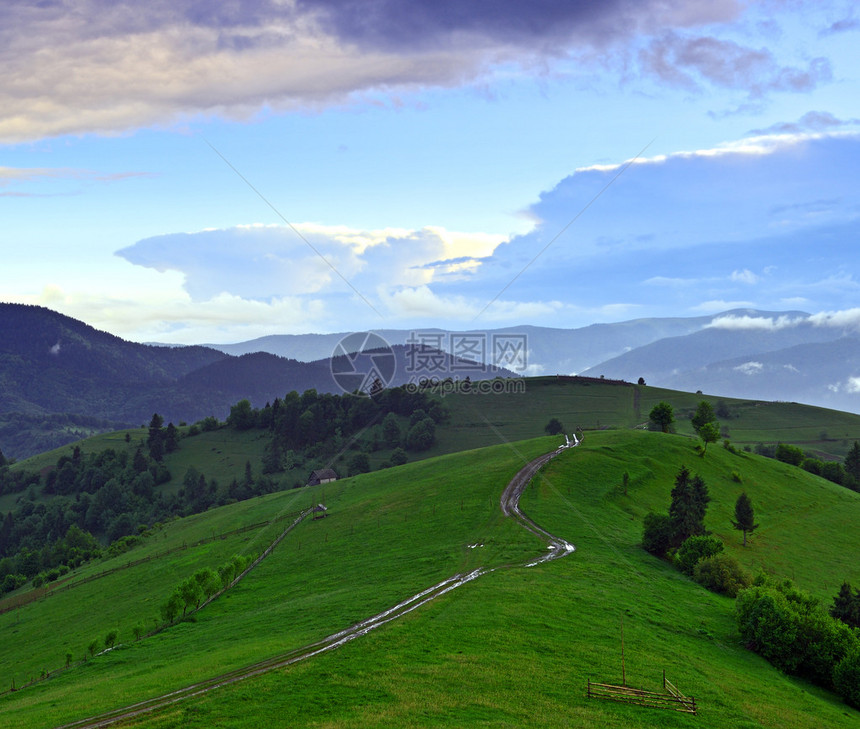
190, 172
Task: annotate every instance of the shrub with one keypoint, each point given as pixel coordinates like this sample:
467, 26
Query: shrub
846, 677
695, 549
110, 638
657, 533
721, 573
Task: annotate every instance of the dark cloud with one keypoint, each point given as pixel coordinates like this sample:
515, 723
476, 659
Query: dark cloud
687, 61
812, 121
841, 26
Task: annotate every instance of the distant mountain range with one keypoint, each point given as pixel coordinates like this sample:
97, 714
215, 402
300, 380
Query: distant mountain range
61, 379
747, 353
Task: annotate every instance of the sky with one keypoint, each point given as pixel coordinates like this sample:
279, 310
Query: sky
186, 171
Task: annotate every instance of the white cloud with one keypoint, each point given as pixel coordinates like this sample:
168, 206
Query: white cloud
852, 385
750, 368
766, 323
717, 305
422, 302
848, 319
745, 276
265, 261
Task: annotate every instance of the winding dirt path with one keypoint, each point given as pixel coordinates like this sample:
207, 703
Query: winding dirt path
509, 503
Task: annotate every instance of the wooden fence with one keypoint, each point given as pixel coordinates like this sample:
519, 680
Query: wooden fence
671, 699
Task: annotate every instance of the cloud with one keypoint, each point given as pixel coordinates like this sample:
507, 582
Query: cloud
686, 62
9, 175
749, 368
852, 385
261, 262
721, 305
746, 323
745, 276
811, 121
170, 60
841, 26
845, 319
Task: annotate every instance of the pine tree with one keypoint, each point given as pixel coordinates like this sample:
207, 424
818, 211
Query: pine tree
846, 606
689, 503
744, 516
852, 461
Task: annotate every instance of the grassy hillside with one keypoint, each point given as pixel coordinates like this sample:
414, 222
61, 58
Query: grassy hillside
479, 420
514, 648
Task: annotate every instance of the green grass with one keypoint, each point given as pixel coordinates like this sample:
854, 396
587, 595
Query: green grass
513, 648
516, 647
387, 537
479, 420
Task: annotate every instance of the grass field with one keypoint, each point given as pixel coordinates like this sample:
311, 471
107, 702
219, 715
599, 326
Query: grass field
479, 420
513, 648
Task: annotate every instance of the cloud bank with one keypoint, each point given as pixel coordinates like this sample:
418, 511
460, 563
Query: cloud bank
81, 66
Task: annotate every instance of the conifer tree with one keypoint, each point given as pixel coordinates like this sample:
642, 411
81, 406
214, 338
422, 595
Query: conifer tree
744, 520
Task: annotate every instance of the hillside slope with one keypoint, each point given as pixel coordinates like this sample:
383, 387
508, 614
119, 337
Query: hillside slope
515, 646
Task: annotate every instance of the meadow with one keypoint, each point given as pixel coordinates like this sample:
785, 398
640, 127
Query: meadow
513, 648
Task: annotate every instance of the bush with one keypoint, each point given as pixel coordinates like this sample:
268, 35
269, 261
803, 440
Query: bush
110, 638
657, 533
695, 549
722, 573
398, 457
846, 677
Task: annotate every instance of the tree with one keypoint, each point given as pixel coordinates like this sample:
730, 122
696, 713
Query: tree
704, 414
93, 647
2, 459
744, 520
110, 638
241, 416
656, 533
662, 417
422, 435
554, 427
641, 381
171, 438
852, 461
170, 609
846, 677
359, 463
709, 433
398, 457
789, 454
391, 431
687, 511
846, 606
695, 549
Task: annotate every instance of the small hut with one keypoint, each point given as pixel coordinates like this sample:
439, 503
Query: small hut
322, 475
320, 511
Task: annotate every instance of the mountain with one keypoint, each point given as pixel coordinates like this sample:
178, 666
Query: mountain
61, 379
816, 365
550, 350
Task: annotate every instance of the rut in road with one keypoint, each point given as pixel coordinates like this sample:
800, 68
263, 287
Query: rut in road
556, 547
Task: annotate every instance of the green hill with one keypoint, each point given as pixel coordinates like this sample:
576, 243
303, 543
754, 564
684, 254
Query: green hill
511, 648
